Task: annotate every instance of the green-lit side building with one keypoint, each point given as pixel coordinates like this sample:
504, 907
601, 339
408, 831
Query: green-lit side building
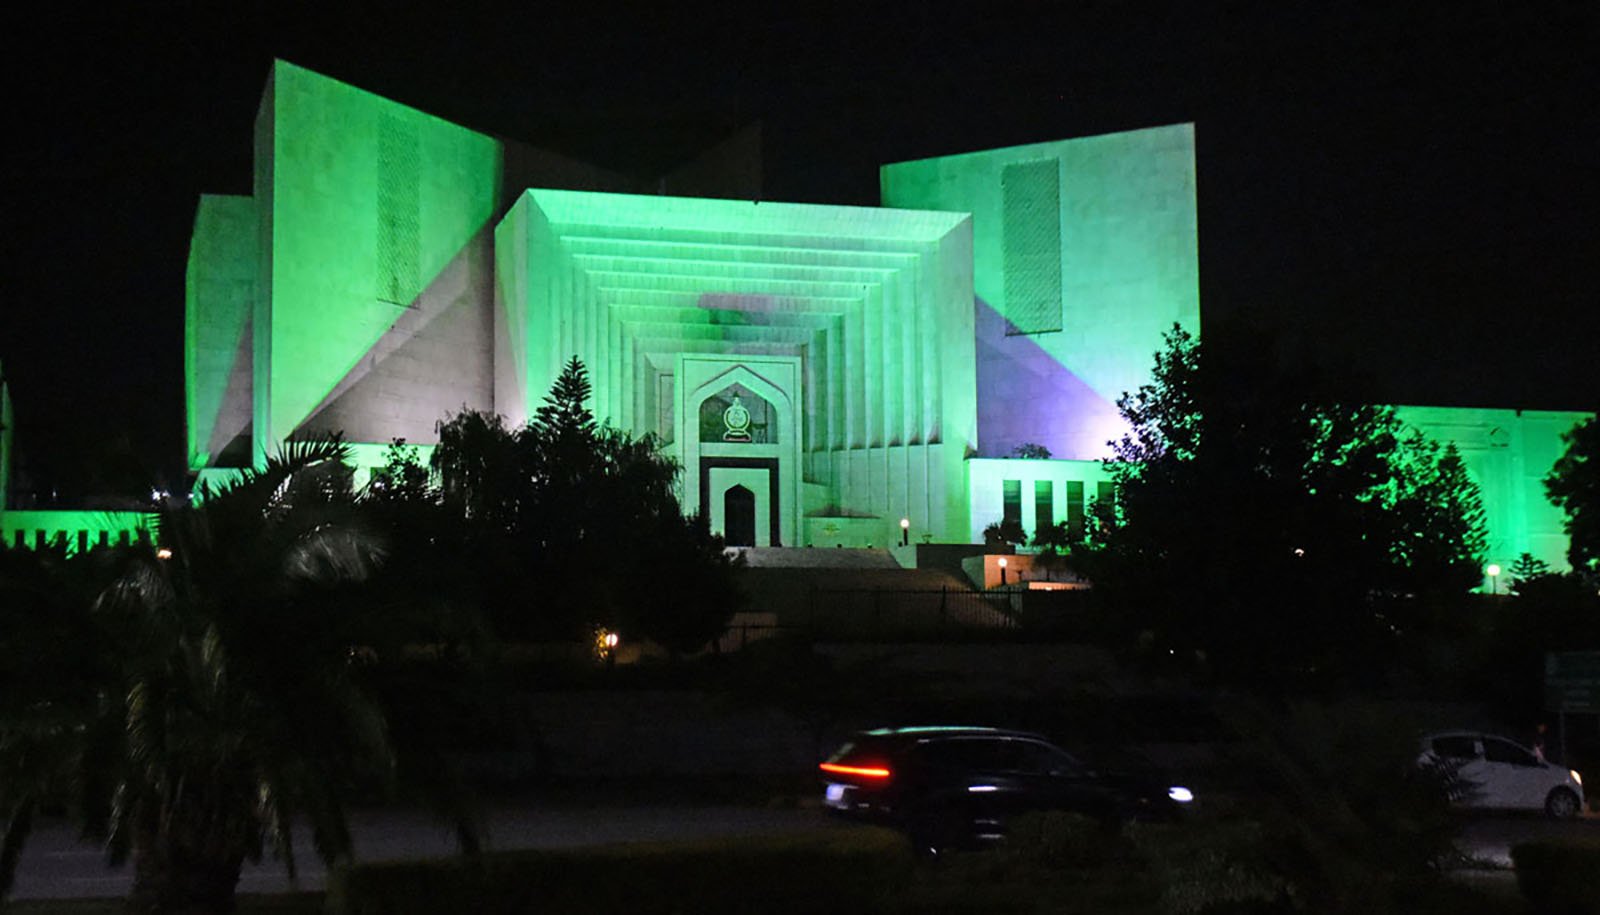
821, 372
74, 530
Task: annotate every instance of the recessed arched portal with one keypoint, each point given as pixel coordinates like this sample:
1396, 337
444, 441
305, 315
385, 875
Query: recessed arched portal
740, 501
737, 424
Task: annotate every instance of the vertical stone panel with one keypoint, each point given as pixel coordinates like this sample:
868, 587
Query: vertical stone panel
1031, 241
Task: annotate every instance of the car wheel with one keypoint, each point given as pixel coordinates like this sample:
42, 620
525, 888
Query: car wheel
1561, 804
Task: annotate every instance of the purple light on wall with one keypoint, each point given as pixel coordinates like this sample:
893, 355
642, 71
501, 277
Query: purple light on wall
1025, 395
733, 301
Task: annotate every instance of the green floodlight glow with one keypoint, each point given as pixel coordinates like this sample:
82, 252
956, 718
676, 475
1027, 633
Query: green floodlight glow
1084, 253
390, 267
860, 318
363, 203
219, 292
76, 530
383, 291
1507, 453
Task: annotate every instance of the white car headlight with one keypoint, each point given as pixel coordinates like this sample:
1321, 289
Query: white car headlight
1576, 777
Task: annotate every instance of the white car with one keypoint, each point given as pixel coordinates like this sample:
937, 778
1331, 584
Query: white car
1494, 773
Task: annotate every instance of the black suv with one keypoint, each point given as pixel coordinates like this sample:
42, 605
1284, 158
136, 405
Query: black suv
953, 787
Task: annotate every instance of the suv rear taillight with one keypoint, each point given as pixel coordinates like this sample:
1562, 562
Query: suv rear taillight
867, 772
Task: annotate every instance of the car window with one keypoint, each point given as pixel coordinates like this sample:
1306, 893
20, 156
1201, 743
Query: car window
966, 753
1455, 747
1043, 759
987, 754
1504, 751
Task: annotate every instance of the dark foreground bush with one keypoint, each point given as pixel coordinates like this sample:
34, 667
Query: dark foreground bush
848, 870
1560, 876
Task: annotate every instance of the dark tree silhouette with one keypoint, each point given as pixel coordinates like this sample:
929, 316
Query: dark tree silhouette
576, 525
1574, 486
198, 701
1260, 518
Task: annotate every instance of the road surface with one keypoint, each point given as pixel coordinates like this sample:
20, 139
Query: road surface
55, 865
1488, 839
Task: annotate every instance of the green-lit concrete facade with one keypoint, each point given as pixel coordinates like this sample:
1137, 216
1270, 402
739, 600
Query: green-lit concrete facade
77, 531
820, 371
850, 326
1507, 453
391, 267
1084, 253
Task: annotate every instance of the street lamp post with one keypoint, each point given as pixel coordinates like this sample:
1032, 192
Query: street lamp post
1494, 578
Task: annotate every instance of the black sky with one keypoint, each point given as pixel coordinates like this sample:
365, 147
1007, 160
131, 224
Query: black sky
1410, 194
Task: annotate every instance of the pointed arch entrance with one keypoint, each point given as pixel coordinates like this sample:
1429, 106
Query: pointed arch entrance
738, 433
739, 516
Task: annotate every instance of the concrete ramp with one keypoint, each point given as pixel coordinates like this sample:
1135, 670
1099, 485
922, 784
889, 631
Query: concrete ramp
814, 558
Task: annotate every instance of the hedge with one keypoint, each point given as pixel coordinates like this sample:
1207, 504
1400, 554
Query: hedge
842, 870
1560, 876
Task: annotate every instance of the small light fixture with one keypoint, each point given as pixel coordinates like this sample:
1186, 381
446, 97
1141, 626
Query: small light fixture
163, 553
1003, 570
905, 531
1494, 577
605, 645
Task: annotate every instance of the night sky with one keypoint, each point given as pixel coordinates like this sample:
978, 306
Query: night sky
1410, 197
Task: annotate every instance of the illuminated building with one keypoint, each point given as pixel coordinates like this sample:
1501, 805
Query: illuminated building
820, 372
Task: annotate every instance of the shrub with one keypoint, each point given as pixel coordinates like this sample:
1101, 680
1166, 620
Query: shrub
1059, 839
835, 871
1212, 866
1560, 876
1057, 863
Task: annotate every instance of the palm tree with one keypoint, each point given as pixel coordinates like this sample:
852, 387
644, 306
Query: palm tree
50, 671
237, 692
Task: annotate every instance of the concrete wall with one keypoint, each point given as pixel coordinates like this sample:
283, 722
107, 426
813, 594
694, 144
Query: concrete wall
220, 292
371, 207
388, 291
874, 305
76, 529
1128, 270
358, 296
1507, 453
986, 488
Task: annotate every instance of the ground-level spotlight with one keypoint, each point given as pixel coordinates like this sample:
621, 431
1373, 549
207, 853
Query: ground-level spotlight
163, 553
605, 645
